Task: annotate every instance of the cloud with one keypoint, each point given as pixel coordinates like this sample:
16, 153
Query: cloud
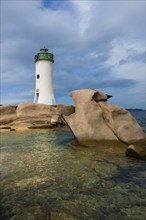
139, 57
83, 12
17, 98
97, 44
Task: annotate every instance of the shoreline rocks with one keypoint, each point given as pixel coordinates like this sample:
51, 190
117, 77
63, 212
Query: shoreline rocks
138, 151
92, 121
95, 120
28, 115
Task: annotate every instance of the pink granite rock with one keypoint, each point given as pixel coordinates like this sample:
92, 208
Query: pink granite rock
95, 120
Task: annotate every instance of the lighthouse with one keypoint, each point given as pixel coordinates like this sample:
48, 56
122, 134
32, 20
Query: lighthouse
44, 93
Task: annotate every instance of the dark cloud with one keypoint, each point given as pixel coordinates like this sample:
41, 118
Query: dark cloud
139, 57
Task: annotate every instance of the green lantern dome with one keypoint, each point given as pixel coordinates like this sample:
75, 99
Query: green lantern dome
44, 55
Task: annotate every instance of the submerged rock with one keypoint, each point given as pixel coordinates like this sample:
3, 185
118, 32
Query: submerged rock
31, 213
62, 216
96, 121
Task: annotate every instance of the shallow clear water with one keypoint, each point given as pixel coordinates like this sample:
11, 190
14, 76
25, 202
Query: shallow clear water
45, 176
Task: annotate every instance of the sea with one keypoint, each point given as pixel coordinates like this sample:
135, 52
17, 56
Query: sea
46, 176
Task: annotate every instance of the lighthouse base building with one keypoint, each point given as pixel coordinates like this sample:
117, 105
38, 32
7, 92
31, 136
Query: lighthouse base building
44, 92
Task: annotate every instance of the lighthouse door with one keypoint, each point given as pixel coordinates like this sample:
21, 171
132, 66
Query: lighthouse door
37, 97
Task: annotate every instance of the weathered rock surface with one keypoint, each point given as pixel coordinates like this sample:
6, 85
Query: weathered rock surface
87, 123
96, 121
30, 110
122, 123
138, 151
7, 114
28, 114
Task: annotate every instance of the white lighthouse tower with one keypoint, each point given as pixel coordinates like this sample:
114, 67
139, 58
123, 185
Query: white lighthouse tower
44, 93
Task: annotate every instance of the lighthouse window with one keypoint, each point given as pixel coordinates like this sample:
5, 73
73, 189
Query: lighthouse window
38, 76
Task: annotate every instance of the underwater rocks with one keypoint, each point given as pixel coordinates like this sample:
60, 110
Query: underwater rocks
62, 216
34, 212
32, 115
95, 120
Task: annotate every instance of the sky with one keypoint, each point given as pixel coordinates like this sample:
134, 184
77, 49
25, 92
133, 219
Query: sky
98, 44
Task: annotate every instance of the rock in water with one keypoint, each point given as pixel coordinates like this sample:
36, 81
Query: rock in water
96, 121
87, 123
122, 123
138, 151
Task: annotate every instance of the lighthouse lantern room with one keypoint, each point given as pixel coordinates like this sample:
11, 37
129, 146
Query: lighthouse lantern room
44, 93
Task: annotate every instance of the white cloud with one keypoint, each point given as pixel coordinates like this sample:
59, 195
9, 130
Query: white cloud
83, 11
127, 69
135, 70
122, 50
93, 43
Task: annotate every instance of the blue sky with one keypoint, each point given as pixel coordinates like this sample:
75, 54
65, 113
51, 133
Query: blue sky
96, 44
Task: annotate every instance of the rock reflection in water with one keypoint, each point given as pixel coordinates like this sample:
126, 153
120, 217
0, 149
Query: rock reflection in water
44, 176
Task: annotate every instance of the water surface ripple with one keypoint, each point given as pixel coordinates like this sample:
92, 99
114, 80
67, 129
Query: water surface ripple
45, 176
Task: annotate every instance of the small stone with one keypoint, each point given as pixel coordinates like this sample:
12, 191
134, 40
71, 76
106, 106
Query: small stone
12, 129
138, 151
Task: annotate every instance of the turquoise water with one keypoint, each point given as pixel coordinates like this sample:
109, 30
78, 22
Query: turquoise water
45, 176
